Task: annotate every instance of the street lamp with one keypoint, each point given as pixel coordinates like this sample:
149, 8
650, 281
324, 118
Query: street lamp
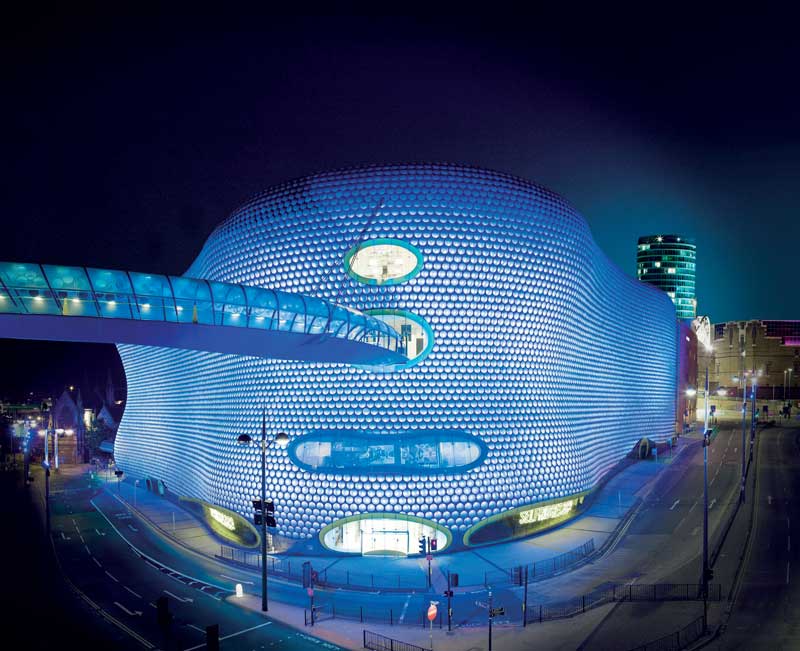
281, 439
706, 569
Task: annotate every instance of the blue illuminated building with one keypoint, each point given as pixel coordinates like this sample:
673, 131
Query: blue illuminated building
535, 364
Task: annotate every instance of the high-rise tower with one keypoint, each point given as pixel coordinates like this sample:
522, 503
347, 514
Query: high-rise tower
668, 262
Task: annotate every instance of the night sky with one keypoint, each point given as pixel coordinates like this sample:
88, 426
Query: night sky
129, 137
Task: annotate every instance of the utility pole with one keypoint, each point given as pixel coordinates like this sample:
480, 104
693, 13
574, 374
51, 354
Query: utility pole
525, 601
449, 604
490, 620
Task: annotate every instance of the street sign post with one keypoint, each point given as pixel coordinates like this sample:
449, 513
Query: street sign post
432, 612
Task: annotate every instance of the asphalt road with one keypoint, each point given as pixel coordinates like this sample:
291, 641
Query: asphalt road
766, 613
105, 568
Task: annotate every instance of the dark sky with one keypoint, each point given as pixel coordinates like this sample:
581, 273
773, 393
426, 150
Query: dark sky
129, 137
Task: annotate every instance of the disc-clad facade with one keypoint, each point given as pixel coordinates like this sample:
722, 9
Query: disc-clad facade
535, 364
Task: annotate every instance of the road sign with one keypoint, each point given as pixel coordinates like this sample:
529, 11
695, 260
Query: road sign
496, 612
432, 612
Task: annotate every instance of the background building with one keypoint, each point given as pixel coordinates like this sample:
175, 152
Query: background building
521, 390
668, 262
770, 350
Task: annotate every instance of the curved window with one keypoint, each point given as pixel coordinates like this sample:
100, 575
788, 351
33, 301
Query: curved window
383, 261
382, 534
420, 452
416, 336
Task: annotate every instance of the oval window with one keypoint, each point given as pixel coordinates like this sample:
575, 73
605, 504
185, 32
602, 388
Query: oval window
416, 337
409, 453
383, 534
383, 261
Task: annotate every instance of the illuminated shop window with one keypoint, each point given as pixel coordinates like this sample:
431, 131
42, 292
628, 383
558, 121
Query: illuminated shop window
382, 534
357, 452
383, 261
415, 334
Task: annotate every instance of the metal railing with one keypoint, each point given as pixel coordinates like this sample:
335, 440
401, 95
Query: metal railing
678, 640
378, 642
621, 592
539, 570
30, 288
327, 578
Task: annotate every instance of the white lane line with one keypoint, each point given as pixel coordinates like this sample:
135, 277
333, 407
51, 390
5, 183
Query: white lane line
96, 561
73, 522
100, 533
225, 576
787, 572
82, 540
769, 499
183, 600
135, 594
152, 605
87, 551
405, 608
112, 577
691, 508
196, 628
135, 613
713, 502
132, 528
63, 536
674, 504
247, 630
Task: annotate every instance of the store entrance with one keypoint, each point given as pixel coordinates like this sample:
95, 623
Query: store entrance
382, 534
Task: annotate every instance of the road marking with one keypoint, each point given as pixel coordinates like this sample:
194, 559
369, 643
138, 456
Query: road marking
769, 499
405, 608
96, 561
692, 507
132, 528
196, 628
183, 600
787, 572
135, 613
247, 630
225, 576
112, 577
100, 533
152, 605
713, 502
63, 536
674, 504
81, 537
73, 522
87, 551
135, 594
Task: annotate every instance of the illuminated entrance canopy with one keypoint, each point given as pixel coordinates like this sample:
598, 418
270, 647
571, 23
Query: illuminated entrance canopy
383, 261
382, 534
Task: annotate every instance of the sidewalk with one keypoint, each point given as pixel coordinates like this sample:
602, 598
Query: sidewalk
605, 514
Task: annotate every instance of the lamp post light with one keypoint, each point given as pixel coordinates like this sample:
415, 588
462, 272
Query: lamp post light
706, 442
744, 429
119, 474
789, 383
281, 439
135, 485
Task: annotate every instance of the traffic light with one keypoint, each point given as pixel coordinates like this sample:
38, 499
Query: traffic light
423, 548
264, 510
448, 593
434, 544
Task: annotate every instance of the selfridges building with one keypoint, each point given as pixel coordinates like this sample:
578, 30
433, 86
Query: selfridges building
534, 365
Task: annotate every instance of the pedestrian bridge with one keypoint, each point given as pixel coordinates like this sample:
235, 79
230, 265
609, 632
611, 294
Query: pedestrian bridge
84, 304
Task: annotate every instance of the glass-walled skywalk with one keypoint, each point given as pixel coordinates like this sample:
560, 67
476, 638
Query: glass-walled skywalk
58, 291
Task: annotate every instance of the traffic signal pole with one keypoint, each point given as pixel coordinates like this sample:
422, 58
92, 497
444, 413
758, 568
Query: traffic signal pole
490, 620
449, 604
525, 601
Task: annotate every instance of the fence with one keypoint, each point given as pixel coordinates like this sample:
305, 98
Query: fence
678, 640
326, 607
330, 578
540, 569
378, 642
621, 592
